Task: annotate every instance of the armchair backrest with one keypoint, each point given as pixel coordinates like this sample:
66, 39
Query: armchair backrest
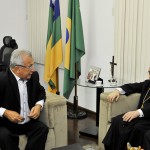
5, 52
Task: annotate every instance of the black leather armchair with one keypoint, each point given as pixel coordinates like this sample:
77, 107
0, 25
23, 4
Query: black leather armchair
5, 52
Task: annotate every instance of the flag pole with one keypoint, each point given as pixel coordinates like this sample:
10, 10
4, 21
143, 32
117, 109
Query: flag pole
75, 113
57, 74
75, 96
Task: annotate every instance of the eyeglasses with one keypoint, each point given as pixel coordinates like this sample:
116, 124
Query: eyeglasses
28, 67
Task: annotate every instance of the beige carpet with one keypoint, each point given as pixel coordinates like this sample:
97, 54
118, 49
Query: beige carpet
90, 147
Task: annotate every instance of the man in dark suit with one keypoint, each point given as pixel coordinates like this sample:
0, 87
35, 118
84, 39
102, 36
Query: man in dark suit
21, 101
132, 126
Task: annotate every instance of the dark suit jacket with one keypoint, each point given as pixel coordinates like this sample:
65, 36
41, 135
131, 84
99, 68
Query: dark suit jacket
9, 92
142, 88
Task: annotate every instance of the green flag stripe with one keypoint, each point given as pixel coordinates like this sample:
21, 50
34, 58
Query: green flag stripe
51, 84
50, 25
56, 31
69, 83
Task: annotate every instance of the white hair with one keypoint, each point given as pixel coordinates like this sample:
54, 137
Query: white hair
16, 57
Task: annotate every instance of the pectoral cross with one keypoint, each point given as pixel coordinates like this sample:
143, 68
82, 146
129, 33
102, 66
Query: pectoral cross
112, 64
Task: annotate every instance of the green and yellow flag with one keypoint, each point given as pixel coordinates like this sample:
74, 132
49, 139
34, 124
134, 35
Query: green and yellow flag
74, 46
54, 47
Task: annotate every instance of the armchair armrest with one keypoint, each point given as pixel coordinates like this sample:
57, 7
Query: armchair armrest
52, 102
57, 117
124, 104
54, 115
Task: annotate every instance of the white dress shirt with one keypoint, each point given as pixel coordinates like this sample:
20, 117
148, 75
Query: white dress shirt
23, 100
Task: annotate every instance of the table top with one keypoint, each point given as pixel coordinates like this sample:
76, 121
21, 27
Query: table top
84, 83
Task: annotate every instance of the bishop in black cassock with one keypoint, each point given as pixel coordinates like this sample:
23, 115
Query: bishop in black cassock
134, 126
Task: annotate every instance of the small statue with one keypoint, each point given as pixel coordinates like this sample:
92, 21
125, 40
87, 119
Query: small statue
113, 81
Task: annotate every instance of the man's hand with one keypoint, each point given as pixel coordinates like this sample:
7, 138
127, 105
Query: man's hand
13, 116
35, 112
114, 96
130, 115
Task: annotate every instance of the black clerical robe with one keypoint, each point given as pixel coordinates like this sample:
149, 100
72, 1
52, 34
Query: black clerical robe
121, 132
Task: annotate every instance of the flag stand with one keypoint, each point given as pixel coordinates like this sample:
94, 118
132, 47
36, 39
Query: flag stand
75, 113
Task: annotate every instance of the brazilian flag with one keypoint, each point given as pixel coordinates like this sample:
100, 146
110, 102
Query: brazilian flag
74, 46
53, 47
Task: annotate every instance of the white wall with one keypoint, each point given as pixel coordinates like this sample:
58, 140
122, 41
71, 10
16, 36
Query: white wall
98, 26
13, 21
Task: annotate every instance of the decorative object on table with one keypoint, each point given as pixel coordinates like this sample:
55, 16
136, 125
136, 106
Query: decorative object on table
93, 74
112, 80
98, 83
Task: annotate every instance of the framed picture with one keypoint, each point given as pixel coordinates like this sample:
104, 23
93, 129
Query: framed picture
93, 74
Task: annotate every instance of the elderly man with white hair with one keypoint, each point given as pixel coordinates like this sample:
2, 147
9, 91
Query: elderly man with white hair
21, 100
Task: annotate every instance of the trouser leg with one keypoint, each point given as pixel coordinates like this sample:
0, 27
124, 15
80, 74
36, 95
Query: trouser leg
107, 147
8, 140
146, 140
118, 134
37, 136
